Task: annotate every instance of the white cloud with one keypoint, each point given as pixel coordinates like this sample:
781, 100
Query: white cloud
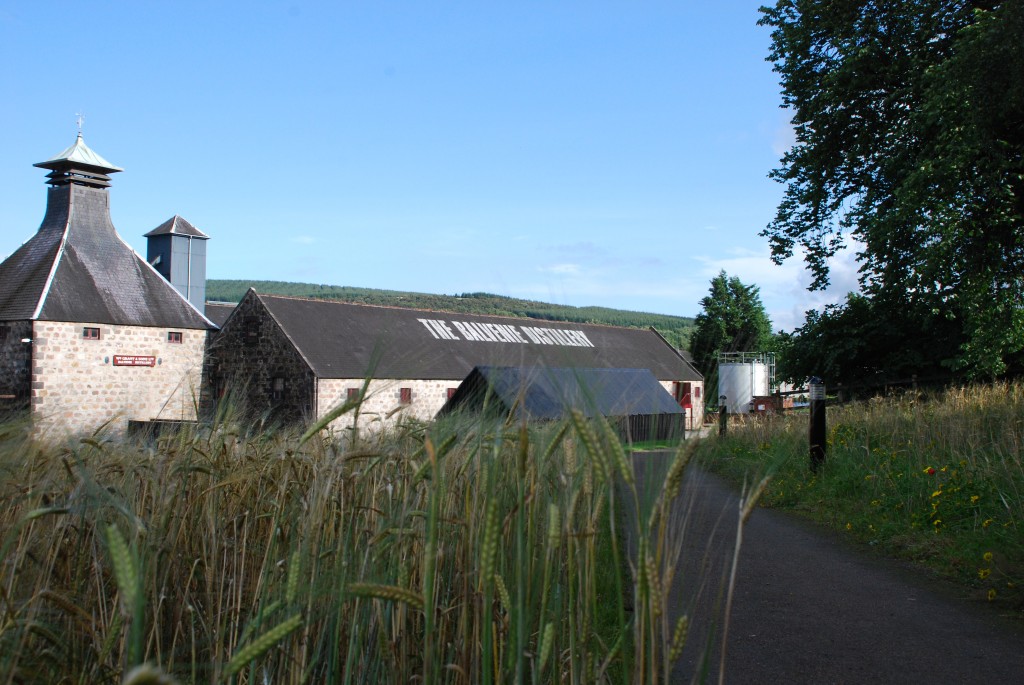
561, 269
784, 287
784, 136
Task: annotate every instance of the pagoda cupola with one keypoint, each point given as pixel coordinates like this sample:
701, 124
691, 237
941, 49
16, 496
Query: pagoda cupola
79, 165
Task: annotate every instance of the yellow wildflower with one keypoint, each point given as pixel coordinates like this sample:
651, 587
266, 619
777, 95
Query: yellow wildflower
974, 499
983, 573
991, 594
987, 556
986, 523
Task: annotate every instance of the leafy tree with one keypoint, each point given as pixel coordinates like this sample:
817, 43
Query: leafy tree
909, 123
863, 343
732, 319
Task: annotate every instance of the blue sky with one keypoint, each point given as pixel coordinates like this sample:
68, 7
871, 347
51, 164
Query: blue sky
584, 153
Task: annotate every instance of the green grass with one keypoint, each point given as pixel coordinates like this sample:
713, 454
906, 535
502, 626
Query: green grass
466, 551
938, 480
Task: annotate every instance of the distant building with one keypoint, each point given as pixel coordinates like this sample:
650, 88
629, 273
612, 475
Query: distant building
89, 332
296, 359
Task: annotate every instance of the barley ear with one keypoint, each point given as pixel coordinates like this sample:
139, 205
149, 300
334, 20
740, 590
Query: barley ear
293, 578
679, 638
124, 567
262, 644
545, 646
389, 592
506, 600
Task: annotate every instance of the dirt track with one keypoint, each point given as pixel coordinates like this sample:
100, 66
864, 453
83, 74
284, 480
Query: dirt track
811, 608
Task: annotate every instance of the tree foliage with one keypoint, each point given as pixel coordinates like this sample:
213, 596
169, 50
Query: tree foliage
732, 319
909, 124
867, 343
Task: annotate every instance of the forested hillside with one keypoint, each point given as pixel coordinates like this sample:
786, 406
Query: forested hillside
676, 329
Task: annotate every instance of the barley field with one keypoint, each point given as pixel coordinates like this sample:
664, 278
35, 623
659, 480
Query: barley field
471, 550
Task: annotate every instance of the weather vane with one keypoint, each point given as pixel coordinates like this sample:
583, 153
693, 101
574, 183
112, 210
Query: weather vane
79, 120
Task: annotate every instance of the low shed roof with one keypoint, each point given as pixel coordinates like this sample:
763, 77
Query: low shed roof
544, 393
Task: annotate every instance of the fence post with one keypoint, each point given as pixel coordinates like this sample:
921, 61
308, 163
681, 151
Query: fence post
723, 415
817, 428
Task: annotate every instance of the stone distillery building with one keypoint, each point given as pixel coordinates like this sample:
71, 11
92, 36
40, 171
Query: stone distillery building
90, 333
296, 359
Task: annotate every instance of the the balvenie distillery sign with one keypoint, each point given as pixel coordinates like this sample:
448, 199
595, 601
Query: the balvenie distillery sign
492, 332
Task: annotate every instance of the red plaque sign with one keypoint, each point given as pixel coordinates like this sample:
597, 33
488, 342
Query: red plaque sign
133, 360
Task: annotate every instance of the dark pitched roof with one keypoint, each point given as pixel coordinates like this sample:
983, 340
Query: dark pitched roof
218, 312
177, 226
77, 268
544, 393
343, 340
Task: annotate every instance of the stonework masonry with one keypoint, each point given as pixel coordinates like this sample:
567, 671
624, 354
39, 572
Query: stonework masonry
695, 414
15, 365
383, 403
78, 384
251, 354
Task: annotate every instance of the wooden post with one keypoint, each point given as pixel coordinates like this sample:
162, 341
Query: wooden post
817, 430
723, 415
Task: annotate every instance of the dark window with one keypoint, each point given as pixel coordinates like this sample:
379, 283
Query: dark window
406, 395
277, 388
91, 333
352, 393
451, 392
252, 328
696, 392
174, 336
4, 332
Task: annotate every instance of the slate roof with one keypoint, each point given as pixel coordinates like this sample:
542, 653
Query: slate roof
77, 268
344, 340
177, 226
550, 393
218, 312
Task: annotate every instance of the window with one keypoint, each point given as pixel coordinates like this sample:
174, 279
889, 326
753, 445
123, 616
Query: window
696, 392
406, 395
90, 333
174, 337
277, 388
252, 329
352, 394
451, 392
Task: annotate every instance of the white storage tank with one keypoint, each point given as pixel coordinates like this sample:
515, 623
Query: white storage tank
742, 376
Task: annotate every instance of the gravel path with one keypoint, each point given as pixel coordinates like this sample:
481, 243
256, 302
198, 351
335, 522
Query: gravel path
811, 608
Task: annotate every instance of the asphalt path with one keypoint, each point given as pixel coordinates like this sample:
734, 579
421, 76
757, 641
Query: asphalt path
810, 607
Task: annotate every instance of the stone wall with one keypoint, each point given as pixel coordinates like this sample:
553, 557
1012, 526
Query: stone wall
15, 366
79, 384
247, 357
383, 403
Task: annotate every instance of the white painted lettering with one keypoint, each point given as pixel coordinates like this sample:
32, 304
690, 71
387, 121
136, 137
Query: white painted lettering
514, 335
447, 331
532, 334
467, 332
426, 323
584, 339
